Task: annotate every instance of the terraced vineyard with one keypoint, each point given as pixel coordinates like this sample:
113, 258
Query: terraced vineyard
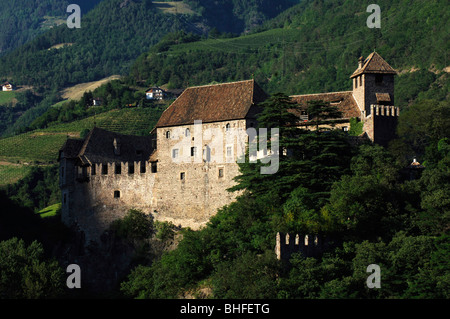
11, 173
43, 145
133, 121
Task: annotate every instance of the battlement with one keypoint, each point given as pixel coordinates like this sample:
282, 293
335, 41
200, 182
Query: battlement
307, 245
86, 173
384, 110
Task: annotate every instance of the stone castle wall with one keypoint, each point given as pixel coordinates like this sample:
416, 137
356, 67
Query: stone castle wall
192, 183
93, 202
381, 124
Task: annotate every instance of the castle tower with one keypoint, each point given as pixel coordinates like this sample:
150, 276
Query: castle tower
373, 83
373, 91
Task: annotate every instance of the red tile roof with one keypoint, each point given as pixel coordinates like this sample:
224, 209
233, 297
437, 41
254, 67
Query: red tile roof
374, 63
344, 101
213, 103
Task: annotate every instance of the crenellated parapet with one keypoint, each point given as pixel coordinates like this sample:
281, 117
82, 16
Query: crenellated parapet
384, 110
287, 244
380, 125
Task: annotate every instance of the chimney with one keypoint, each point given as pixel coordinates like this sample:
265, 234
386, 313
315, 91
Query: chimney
360, 63
116, 146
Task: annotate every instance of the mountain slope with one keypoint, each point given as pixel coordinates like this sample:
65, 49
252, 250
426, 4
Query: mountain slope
23, 20
314, 47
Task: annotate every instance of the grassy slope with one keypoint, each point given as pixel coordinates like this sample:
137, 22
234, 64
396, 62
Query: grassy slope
6, 97
76, 92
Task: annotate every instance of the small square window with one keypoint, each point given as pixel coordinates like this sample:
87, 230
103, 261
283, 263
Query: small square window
175, 153
378, 78
116, 194
220, 172
182, 176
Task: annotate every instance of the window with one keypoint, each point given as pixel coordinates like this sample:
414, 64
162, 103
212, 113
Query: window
175, 153
130, 168
116, 194
118, 168
345, 128
168, 134
229, 151
378, 78
207, 154
105, 169
154, 167
182, 176
194, 151
220, 172
360, 80
227, 127
187, 133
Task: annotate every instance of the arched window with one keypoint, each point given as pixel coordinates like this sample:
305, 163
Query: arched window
167, 134
227, 127
207, 154
187, 133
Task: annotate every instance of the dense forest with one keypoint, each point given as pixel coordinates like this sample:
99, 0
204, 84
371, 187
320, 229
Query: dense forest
23, 20
314, 47
380, 211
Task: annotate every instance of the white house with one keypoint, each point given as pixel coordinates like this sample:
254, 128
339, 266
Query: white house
155, 93
7, 87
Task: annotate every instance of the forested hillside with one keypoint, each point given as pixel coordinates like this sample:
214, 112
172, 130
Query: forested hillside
237, 16
314, 47
22, 20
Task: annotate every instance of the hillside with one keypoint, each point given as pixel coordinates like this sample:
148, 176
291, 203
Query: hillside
112, 35
313, 47
43, 145
23, 20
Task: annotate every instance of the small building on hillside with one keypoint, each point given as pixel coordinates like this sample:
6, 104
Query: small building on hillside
97, 101
7, 87
155, 93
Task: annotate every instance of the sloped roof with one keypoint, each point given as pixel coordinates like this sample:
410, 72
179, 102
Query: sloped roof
71, 148
213, 103
152, 89
98, 147
374, 63
344, 101
383, 97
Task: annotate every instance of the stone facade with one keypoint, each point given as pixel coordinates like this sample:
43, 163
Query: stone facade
196, 164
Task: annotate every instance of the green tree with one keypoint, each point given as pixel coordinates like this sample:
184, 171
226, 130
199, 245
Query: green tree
135, 225
24, 274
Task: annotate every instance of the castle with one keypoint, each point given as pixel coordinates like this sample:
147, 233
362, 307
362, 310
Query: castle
106, 174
